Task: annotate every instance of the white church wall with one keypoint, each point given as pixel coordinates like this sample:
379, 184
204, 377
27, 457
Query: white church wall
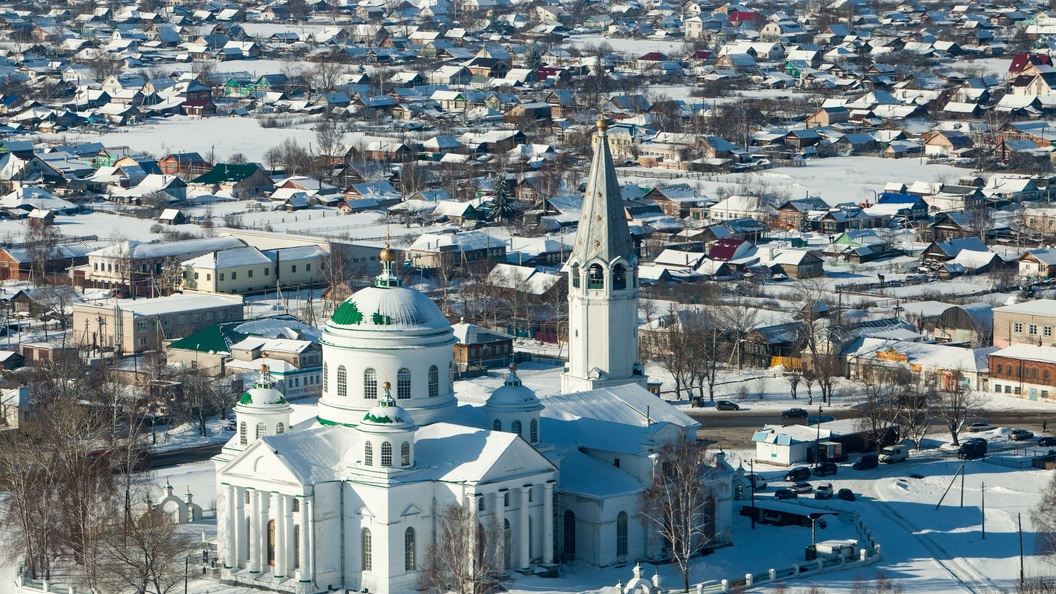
326, 536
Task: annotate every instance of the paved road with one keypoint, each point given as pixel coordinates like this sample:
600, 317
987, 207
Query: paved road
748, 418
176, 458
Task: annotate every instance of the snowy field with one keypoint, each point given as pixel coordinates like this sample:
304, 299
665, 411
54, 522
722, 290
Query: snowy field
925, 549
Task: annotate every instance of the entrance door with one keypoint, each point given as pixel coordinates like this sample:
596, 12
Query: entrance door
271, 542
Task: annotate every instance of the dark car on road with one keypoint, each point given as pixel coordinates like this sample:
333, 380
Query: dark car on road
785, 494
1047, 442
726, 405
845, 494
972, 448
794, 413
825, 468
1020, 435
799, 473
866, 462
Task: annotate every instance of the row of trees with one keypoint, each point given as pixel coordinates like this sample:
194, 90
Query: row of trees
73, 505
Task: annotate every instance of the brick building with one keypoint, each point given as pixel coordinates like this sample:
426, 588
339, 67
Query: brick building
1024, 370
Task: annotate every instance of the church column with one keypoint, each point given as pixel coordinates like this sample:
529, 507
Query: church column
254, 531
233, 515
262, 536
280, 534
548, 522
525, 537
500, 522
306, 529
290, 548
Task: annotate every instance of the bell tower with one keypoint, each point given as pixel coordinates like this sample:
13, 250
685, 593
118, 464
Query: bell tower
602, 286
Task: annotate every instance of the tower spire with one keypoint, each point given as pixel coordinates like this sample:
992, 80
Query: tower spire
603, 231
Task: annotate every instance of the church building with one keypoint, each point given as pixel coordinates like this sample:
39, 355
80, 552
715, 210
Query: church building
350, 498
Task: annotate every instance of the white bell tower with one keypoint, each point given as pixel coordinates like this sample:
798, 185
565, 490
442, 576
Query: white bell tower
602, 286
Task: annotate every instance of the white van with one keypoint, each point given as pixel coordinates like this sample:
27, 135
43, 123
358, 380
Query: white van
895, 453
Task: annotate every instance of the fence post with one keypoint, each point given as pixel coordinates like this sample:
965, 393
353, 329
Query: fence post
725, 585
863, 554
749, 579
773, 575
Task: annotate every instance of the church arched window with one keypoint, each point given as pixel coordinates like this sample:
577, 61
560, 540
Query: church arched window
405, 454
408, 550
434, 382
621, 534
280, 429
596, 278
403, 384
243, 433
575, 275
326, 378
386, 454
515, 427
370, 383
619, 277
342, 381
368, 561
262, 430
497, 425
533, 429
368, 454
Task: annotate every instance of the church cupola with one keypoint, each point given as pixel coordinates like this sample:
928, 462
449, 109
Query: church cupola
262, 410
603, 285
515, 409
387, 432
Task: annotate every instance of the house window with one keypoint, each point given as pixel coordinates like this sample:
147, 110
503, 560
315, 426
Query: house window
405, 454
1016, 391
1046, 331
999, 368
326, 374
370, 383
307, 267
1032, 329
533, 428
262, 430
243, 437
1017, 328
368, 454
434, 382
497, 425
516, 427
234, 275
221, 277
575, 276
195, 276
267, 272
386, 454
342, 381
1008, 389
403, 384
506, 499
293, 268
250, 273
280, 429
480, 504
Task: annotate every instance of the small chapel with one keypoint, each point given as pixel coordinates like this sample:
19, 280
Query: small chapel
349, 498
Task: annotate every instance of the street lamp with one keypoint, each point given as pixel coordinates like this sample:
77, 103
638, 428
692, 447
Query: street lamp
813, 522
817, 444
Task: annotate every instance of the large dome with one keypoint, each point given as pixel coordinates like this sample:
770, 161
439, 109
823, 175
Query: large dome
389, 308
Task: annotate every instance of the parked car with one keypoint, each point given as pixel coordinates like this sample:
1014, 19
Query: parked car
895, 453
825, 468
972, 448
801, 488
823, 491
785, 494
845, 494
866, 462
799, 473
726, 405
981, 426
1047, 442
1020, 435
760, 483
794, 413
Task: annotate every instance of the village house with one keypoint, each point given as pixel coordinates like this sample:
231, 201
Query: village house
1029, 323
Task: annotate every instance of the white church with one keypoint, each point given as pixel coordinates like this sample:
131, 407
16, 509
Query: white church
348, 499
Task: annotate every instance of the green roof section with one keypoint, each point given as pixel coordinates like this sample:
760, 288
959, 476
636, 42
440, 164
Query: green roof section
347, 314
217, 338
381, 419
245, 399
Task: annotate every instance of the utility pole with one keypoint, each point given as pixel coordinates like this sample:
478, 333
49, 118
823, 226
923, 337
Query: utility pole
751, 465
1019, 520
982, 489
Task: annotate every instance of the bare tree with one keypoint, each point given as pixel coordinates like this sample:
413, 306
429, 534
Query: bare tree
954, 406
818, 337
42, 244
1043, 517
464, 555
885, 394
105, 65
146, 556
680, 501
668, 346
